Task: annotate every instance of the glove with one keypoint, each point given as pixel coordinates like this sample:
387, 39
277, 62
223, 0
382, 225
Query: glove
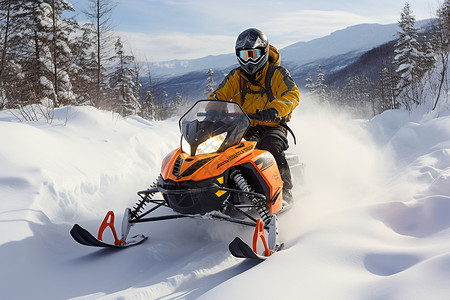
212, 115
267, 115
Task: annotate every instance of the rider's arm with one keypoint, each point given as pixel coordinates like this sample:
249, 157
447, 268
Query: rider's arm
229, 89
285, 91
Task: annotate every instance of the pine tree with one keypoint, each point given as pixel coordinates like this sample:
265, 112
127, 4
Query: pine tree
36, 56
60, 59
178, 105
211, 85
6, 26
387, 88
310, 86
148, 105
122, 82
21, 66
137, 90
408, 60
320, 86
84, 77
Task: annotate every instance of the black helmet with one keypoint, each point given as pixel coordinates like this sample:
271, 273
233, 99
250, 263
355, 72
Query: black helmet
252, 50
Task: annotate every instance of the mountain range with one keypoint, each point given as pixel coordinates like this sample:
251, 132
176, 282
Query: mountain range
334, 52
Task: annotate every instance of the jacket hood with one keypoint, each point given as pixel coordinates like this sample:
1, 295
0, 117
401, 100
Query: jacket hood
274, 55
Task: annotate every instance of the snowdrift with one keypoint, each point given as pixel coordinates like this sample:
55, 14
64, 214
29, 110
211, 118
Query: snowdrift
372, 220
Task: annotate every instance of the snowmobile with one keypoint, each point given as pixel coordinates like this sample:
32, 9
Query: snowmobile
214, 174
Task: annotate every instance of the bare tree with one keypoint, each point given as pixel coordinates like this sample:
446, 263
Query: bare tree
99, 13
148, 110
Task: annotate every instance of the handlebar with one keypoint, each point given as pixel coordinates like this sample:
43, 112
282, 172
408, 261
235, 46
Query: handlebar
234, 115
257, 117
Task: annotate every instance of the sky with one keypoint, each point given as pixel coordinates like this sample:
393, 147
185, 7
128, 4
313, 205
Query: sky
162, 30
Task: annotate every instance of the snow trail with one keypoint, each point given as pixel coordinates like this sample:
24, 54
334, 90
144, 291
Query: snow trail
370, 220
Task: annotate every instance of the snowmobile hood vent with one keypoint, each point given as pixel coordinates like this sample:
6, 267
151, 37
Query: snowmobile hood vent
177, 166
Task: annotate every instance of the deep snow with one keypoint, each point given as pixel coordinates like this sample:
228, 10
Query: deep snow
372, 220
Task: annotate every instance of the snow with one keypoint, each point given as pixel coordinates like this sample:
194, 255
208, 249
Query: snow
370, 222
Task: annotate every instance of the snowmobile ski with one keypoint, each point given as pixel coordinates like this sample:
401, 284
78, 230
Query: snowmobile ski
84, 237
241, 249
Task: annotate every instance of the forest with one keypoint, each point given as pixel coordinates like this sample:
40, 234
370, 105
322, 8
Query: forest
48, 60
400, 73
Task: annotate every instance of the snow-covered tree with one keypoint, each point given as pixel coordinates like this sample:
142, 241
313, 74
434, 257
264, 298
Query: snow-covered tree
137, 69
148, 107
441, 45
84, 77
122, 82
6, 26
211, 85
23, 49
408, 60
387, 88
60, 56
310, 86
36, 56
320, 87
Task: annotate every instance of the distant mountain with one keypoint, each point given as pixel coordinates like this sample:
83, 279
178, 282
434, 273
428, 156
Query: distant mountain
179, 67
333, 52
357, 38
353, 38
369, 63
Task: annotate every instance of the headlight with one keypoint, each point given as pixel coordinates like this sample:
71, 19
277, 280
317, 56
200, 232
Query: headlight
185, 147
211, 145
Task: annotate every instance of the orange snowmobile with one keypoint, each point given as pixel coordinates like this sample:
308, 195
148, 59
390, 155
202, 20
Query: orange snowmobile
214, 174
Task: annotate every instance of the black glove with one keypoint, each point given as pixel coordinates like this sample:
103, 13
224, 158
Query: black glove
267, 115
212, 115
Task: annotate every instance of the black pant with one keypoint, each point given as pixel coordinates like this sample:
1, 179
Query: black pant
274, 140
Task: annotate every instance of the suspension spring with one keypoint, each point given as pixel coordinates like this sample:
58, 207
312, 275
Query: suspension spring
259, 203
140, 204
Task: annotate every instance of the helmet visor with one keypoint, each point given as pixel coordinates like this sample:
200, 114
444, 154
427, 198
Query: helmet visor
253, 54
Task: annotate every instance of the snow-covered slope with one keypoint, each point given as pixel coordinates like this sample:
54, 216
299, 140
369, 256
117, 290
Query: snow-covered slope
370, 222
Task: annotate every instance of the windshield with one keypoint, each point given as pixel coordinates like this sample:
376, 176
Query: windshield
212, 126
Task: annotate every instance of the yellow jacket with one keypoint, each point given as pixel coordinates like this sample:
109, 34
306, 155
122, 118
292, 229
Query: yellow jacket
285, 91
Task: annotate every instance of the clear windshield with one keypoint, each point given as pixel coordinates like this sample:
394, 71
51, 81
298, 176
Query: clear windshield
225, 122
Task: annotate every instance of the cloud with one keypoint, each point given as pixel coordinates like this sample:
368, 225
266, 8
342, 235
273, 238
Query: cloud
282, 30
305, 25
186, 29
173, 45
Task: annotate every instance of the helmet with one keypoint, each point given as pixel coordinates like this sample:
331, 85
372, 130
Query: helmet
252, 50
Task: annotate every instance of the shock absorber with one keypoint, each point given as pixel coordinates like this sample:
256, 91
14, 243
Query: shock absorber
259, 203
140, 204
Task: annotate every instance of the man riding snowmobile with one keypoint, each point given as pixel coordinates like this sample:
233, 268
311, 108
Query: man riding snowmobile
266, 92
216, 175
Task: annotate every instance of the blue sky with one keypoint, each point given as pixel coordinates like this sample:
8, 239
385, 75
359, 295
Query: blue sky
162, 30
